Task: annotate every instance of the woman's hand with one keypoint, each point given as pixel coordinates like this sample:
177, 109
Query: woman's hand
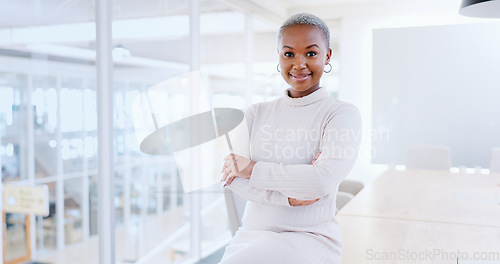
236, 166
295, 202
317, 157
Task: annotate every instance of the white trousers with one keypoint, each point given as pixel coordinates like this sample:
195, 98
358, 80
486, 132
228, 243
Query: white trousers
267, 247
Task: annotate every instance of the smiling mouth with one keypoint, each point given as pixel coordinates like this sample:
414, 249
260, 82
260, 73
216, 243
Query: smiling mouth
300, 77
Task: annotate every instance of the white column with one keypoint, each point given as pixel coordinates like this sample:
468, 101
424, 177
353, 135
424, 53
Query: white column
39, 232
248, 59
1, 200
30, 159
146, 170
127, 165
355, 73
59, 173
85, 175
23, 135
173, 183
159, 188
126, 191
195, 199
127, 162
106, 213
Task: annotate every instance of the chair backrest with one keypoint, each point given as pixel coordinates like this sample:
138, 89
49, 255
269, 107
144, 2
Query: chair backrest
428, 157
495, 160
351, 186
342, 199
235, 205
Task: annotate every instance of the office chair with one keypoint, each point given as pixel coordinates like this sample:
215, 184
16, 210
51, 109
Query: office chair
351, 186
495, 160
428, 157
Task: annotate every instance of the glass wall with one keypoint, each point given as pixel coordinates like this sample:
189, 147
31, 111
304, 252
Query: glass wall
48, 128
151, 45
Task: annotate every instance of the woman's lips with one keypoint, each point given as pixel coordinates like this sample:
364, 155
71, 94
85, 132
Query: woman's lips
299, 76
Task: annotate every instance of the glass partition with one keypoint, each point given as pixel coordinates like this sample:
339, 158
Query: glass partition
150, 46
48, 118
46, 228
13, 112
47, 68
16, 240
73, 215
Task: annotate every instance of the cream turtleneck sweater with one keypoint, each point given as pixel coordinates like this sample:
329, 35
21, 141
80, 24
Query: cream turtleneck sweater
284, 136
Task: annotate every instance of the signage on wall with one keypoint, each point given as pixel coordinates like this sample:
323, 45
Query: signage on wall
26, 199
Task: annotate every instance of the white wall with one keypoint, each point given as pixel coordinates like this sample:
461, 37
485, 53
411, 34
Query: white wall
438, 85
355, 72
355, 55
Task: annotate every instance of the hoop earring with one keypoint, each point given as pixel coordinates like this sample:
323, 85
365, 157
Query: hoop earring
328, 70
278, 67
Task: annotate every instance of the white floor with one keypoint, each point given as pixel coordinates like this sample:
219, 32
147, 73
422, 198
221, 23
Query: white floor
131, 241
134, 242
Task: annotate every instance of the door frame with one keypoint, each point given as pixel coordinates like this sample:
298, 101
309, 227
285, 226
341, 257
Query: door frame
27, 227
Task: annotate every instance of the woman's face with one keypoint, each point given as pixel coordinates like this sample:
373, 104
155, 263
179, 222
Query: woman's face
303, 53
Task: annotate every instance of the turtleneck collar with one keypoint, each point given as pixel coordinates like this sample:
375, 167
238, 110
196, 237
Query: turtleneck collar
305, 100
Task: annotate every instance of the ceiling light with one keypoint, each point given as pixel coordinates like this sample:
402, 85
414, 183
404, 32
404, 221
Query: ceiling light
120, 52
480, 8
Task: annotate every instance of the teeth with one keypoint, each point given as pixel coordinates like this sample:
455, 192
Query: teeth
300, 76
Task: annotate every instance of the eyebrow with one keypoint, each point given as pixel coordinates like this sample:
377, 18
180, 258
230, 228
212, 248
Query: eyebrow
308, 47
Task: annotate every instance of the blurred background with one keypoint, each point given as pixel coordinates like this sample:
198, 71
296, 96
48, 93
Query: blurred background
418, 71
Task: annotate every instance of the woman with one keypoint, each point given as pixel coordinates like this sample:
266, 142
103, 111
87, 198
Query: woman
291, 161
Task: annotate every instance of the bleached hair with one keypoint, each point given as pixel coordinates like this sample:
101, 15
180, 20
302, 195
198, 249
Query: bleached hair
306, 19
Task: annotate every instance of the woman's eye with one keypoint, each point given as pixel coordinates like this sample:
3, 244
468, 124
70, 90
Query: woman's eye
311, 53
288, 54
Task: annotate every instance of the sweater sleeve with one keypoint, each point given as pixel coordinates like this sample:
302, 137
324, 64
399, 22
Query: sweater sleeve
339, 147
242, 187
240, 139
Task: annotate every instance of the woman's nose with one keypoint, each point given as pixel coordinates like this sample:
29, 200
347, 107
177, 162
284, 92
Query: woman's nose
300, 62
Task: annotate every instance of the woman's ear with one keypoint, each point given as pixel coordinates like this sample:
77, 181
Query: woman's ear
328, 56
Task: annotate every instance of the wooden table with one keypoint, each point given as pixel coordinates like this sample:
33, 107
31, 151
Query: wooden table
424, 217
435, 196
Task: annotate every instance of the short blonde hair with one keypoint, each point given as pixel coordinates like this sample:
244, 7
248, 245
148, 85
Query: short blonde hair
306, 19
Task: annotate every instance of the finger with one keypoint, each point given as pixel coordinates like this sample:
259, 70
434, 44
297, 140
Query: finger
230, 180
317, 156
228, 159
227, 182
227, 171
231, 157
231, 176
311, 202
228, 166
224, 166
222, 178
235, 161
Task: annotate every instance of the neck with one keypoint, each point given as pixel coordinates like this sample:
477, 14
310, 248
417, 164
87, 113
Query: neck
297, 93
